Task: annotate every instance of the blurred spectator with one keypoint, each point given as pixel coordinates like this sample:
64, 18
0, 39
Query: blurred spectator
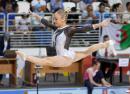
11, 18
112, 2
88, 15
82, 6
6, 2
106, 2
118, 7
126, 16
1, 9
55, 4
107, 67
1, 18
16, 8
128, 6
73, 18
102, 14
24, 23
38, 6
8, 8
4, 45
93, 77
116, 12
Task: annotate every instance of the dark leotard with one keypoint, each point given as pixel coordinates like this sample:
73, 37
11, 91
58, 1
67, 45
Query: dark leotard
62, 37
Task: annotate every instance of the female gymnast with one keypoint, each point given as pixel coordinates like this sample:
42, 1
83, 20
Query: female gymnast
61, 40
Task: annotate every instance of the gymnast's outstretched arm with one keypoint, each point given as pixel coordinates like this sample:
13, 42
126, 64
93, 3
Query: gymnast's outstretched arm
89, 27
43, 21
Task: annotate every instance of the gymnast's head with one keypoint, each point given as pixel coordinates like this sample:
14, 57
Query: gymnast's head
60, 17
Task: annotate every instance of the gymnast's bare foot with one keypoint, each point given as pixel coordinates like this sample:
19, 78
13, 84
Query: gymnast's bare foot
21, 54
105, 23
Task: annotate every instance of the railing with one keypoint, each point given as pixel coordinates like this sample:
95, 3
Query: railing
39, 36
29, 23
2, 22
42, 39
29, 40
84, 39
36, 36
26, 33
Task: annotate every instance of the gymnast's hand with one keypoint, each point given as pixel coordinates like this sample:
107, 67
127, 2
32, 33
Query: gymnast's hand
35, 15
105, 23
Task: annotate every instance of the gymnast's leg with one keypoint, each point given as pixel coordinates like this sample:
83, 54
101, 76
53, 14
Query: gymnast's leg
62, 61
54, 61
91, 49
